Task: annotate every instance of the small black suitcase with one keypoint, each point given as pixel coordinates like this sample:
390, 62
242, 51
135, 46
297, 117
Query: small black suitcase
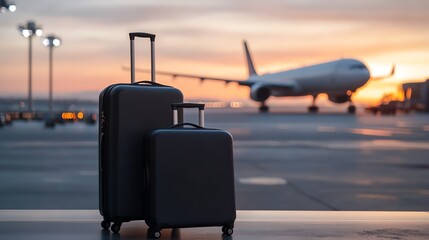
127, 112
190, 176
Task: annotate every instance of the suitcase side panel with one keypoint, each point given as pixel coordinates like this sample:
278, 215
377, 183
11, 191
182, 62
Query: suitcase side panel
130, 112
102, 161
191, 178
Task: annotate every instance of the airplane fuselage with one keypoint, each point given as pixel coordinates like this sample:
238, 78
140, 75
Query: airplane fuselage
332, 77
338, 79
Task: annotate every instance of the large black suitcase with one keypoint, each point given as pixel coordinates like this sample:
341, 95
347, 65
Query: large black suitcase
127, 112
190, 177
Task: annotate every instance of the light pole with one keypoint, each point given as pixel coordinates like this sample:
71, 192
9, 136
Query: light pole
28, 31
7, 6
51, 41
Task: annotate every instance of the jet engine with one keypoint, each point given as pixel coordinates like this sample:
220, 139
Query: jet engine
259, 93
339, 98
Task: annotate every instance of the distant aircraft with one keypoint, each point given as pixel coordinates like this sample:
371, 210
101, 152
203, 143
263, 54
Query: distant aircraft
339, 79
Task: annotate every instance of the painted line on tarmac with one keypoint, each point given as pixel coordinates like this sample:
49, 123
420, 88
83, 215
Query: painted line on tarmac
266, 181
352, 145
379, 144
49, 144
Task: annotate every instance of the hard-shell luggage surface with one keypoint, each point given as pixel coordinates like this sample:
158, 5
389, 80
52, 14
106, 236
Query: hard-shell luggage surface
190, 177
127, 112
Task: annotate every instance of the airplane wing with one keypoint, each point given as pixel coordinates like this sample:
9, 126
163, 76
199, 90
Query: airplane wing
199, 77
392, 72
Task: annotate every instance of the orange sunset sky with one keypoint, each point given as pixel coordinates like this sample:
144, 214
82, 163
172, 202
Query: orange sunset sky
205, 37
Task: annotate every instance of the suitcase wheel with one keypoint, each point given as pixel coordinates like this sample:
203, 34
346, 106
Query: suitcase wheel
227, 230
105, 224
154, 233
116, 227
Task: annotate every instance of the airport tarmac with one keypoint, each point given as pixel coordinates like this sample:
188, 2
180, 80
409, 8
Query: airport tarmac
283, 161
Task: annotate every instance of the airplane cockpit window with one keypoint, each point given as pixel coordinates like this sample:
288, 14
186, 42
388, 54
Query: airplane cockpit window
357, 66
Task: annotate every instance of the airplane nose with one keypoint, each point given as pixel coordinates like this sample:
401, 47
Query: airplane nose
367, 74
363, 77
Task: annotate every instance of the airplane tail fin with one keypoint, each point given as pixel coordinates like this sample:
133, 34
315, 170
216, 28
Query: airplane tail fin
392, 72
250, 65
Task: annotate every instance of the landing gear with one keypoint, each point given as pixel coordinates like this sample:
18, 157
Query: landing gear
351, 109
313, 108
49, 123
263, 108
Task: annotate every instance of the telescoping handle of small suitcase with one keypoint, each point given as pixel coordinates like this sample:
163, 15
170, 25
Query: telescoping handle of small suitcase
177, 106
152, 53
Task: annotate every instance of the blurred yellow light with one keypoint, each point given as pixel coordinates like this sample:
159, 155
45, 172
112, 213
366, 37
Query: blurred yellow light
236, 104
80, 115
408, 93
68, 115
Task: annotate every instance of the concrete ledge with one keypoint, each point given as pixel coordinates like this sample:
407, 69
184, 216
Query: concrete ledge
84, 224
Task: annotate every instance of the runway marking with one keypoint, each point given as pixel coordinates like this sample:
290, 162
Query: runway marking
376, 196
366, 145
362, 182
50, 144
366, 131
371, 132
353, 145
262, 181
54, 180
239, 131
88, 173
312, 197
403, 124
423, 192
326, 129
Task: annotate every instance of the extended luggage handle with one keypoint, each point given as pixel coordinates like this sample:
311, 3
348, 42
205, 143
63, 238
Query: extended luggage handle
176, 106
152, 53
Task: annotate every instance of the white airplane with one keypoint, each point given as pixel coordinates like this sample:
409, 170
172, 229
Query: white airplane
338, 79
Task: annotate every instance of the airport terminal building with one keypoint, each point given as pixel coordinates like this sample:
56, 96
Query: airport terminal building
416, 95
